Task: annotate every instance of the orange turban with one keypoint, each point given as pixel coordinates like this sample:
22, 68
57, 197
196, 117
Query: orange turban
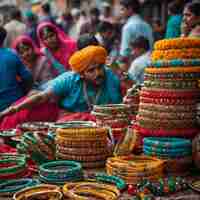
80, 60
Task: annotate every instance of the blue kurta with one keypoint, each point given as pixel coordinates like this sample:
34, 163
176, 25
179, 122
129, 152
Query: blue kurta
69, 86
10, 68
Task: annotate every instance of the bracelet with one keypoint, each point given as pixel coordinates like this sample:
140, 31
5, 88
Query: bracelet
160, 132
168, 142
86, 189
73, 124
104, 178
166, 115
43, 189
82, 151
167, 101
164, 93
179, 69
168, 108
176, 43
172, 76
34, 126
8, 188
81, 158
191, 53
175, 63
171, 84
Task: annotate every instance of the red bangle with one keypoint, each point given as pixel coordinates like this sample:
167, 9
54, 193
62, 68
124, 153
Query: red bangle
161, 93
187, 133
161, 101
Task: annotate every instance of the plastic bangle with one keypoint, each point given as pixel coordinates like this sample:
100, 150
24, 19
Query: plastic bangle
176, 43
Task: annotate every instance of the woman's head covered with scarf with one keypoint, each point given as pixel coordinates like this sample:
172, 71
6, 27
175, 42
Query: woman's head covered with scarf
82, 59
46, 27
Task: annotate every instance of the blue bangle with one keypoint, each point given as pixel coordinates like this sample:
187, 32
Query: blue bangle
167, 150
167, 142
10, 187
165, 156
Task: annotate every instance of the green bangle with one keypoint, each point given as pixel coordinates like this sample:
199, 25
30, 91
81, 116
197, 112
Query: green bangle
102, 177
20, 165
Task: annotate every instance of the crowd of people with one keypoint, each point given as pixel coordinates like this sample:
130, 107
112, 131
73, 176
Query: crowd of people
51, 69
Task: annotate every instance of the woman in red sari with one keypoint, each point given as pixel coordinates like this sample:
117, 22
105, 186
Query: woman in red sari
55, 45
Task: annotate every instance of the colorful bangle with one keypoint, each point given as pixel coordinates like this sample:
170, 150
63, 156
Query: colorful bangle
167, 142
9, 187
172, 84
41, 190
104, 178
87, 189
165, 93
168, 108
191, 53
176, 63
34, 126
166, 115
160, 132
176, 43
172, 76
73, 124
179, 69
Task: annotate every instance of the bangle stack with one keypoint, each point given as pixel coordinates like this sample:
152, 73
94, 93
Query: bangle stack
116, 116
61, 171
135, 168
169, 149
13, 166
8, 188
87, 145
39, 146
87, 190
42, 191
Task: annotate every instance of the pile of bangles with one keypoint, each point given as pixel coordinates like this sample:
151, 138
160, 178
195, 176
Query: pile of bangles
13, 166
72, 190
116, 116
88, 145
60, 171
172, 150
38, 145
133, 169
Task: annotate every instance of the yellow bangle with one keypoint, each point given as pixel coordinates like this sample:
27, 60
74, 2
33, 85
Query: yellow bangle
180, 69
177, 43
192, 53
32, 190
104, 191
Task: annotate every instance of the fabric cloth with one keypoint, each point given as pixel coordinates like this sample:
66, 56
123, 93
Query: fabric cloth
14, 29
43, 70
134, 27
173, 29
136, 70
62, 55
69, 86
86, 56
47, 111
10, 87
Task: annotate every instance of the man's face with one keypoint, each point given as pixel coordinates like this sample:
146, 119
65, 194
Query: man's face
94, 74
189, 18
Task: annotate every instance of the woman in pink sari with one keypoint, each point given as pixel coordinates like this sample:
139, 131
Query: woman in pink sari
41, 69
55, 45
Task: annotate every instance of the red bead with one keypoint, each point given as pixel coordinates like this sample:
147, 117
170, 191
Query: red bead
131, 189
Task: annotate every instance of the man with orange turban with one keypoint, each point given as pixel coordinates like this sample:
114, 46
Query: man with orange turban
90, 82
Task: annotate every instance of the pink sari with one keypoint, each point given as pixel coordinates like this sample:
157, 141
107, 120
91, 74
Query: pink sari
67, 44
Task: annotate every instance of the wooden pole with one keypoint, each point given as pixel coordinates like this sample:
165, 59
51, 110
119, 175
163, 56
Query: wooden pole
67, 5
